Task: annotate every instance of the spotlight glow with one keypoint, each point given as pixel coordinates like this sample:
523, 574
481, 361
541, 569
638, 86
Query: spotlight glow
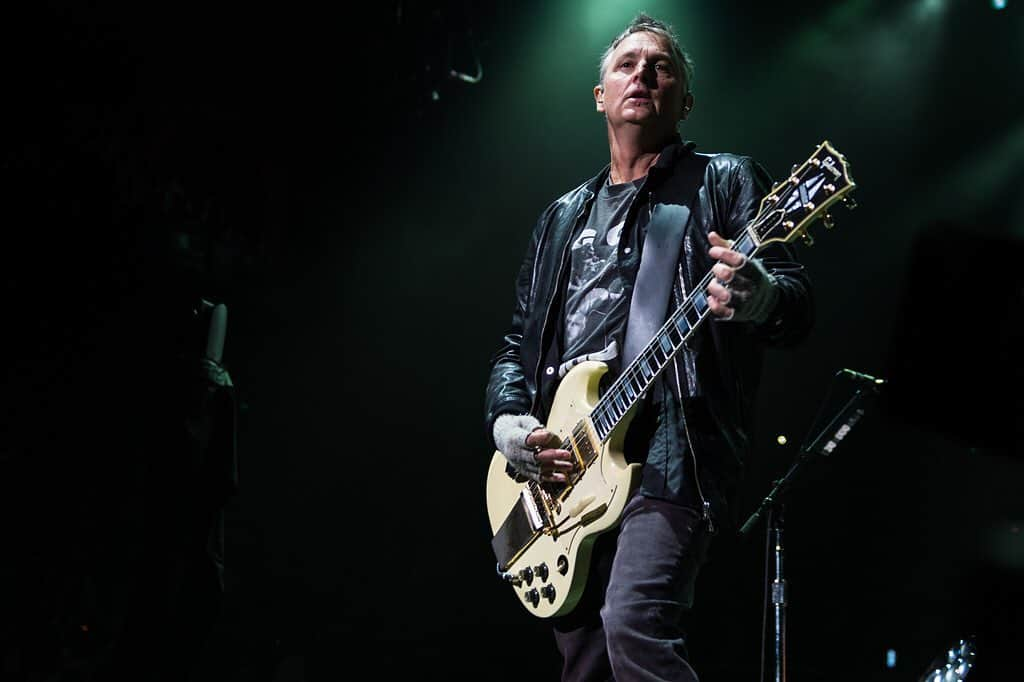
998, 4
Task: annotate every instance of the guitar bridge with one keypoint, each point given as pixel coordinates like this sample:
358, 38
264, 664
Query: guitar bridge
530, 506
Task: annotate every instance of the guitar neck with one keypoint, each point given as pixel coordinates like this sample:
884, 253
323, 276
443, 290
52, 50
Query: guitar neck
785, 212
650, 362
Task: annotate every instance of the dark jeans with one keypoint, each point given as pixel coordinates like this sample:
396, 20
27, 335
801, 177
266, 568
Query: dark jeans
628, 625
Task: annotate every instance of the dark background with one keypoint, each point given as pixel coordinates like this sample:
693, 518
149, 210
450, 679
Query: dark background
362, 215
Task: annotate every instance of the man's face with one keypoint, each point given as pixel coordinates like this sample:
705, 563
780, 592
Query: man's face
642, 85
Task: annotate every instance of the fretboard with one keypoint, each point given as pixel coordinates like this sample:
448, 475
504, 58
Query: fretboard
649, 363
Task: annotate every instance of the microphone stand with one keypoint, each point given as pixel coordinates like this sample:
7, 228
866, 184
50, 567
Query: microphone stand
825, 444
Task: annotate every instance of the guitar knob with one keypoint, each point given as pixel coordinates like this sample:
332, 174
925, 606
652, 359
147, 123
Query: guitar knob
542, 572
549, 592
532, 596
527, 575
563, 564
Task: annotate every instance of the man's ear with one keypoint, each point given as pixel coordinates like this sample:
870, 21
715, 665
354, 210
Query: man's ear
687, 106
599, 97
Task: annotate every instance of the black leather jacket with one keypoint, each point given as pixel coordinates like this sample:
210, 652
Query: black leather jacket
719, 369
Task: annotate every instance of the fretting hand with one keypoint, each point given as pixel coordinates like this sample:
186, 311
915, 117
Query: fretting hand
743, 290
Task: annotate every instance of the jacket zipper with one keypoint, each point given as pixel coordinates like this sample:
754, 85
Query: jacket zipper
705, 505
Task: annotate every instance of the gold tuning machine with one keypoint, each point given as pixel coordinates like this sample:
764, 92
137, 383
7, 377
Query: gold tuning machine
849, 202
828, 221
808, 239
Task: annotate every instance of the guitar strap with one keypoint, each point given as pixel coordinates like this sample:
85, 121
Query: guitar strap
648, 307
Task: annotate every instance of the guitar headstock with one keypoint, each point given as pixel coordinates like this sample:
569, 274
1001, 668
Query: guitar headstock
805, 196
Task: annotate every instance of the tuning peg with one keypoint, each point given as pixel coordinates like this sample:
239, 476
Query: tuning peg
793, 169
849, 202
828, 221
808, 239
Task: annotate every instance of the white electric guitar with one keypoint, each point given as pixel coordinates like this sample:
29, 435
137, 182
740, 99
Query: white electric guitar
544, 532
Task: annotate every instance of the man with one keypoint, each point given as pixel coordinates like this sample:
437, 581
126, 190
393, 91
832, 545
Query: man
573, 302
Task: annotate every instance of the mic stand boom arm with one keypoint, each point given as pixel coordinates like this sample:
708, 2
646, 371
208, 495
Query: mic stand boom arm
823, 444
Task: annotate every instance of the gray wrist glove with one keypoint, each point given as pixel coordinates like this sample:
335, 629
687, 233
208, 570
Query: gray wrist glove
754, 292
510, 432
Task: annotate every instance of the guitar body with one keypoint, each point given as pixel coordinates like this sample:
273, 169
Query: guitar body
558, 559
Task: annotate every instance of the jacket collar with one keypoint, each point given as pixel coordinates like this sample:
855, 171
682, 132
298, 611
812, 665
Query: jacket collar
675, 150
671, 153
